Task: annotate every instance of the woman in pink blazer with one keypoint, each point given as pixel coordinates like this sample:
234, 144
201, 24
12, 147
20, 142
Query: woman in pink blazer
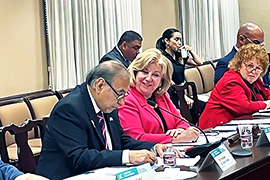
151, 75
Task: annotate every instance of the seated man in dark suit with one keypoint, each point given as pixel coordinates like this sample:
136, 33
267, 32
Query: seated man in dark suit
78, 139
127, 48
247, 33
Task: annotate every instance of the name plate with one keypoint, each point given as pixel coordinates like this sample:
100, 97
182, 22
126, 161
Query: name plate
264, 139
220, 157
135, 172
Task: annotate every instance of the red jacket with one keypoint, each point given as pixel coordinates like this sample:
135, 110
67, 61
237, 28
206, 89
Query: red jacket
140, 121
230, 99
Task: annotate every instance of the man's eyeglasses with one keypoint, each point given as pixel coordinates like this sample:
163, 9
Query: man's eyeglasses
254, 41
250, 68
118, 96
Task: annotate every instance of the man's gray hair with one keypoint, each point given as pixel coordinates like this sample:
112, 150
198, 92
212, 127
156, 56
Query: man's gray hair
107, 70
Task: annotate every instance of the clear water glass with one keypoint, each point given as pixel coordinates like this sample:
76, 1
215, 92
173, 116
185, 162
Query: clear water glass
184, 53
169, 157
245, 132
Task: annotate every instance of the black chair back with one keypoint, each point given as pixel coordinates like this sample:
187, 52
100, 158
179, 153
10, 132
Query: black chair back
26, 159
181, 91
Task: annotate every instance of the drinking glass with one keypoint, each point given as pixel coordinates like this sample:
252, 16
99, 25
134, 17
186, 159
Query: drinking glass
169, 156
245, 132
184, 53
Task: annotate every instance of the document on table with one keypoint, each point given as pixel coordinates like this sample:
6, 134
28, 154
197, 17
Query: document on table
267, 114
107, 173
225, 128
250, 121
265, 110
180, 161
262, 112
201, 140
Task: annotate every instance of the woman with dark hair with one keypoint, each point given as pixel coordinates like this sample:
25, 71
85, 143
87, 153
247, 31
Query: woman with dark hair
171, 47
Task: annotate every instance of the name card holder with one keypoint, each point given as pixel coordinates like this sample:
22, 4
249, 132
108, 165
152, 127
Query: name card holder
264, 139
220, 157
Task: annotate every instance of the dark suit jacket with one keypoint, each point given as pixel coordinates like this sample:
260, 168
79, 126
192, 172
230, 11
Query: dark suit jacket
266, 79
114, 54
222, 65
73, 142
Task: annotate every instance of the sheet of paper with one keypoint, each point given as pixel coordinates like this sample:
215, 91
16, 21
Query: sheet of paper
250, 121
171, 173
262, 126
227, 134
225, 128
92, 176
261, 114
181, 161
203, 97
201, 140
265, 110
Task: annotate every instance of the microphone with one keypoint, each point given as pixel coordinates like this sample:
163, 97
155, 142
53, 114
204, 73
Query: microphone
201, 150
155, 105
234, 138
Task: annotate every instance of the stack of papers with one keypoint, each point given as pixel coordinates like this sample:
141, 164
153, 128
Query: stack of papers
262, 112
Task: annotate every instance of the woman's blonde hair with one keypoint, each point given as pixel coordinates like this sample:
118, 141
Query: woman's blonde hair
147, 57
247, 53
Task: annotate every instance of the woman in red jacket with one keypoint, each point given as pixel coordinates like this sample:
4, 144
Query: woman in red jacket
151, 75
240, 91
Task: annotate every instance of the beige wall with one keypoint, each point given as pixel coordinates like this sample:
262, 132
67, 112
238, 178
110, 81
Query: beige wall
22, 57
157, 15
258, 13
22, 45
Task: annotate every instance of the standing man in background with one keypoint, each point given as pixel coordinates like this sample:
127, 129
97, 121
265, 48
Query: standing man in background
127, 48
247, 33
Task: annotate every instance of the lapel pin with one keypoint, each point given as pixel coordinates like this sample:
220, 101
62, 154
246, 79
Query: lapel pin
111, 119
93, 123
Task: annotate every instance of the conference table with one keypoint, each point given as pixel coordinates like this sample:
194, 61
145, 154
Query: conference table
256, 166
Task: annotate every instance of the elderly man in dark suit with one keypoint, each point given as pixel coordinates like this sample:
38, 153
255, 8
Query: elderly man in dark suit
247, 33
78, 139
127, 48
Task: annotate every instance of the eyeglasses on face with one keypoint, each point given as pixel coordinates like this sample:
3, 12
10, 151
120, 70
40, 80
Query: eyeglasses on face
254, 41
251, 67
118, 96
